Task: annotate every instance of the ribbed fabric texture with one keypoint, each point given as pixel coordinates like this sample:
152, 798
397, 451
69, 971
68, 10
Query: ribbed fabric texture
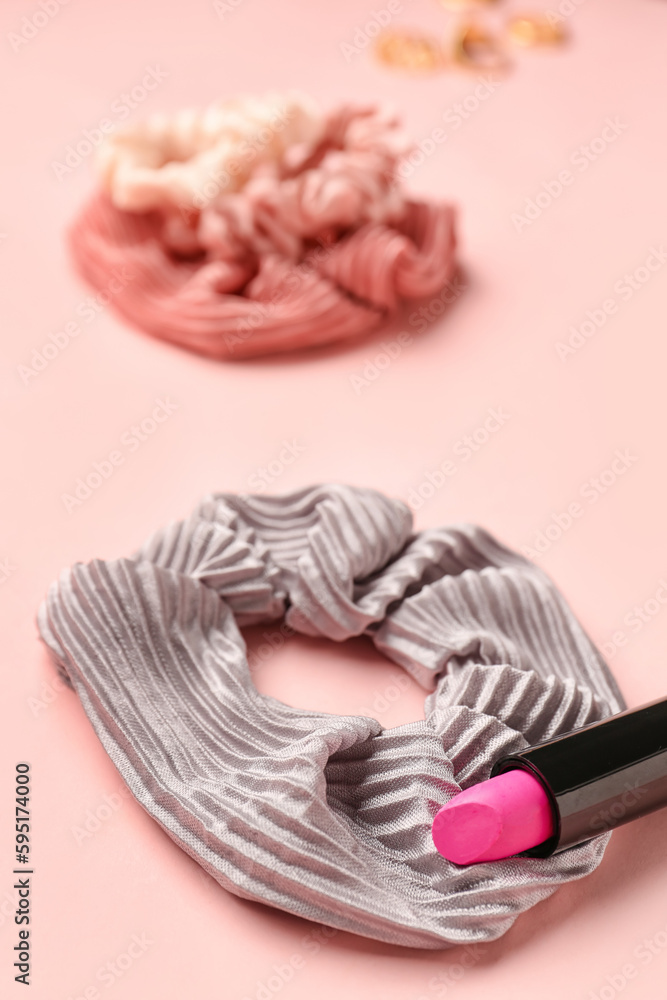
311, 239
325, 816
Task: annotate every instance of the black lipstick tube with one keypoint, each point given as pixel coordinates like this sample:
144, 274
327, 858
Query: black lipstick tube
600, 776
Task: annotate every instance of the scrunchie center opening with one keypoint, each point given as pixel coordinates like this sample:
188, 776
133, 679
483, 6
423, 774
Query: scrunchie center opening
348, 678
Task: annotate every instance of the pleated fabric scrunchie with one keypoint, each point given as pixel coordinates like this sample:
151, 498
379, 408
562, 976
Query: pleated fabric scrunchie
260, 225
324, 816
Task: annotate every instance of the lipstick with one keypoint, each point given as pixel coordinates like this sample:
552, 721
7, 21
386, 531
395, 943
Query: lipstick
561, 792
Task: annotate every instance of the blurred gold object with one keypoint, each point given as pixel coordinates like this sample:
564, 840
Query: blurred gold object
409, 51
535, 29
476, 48
462, 5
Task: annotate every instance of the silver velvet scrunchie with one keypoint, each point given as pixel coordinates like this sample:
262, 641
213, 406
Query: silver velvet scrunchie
324, 816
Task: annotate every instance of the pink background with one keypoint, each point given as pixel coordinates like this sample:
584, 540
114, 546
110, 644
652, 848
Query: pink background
494, 348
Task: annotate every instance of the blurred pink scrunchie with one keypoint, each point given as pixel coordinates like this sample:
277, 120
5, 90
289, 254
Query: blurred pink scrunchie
259, 226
